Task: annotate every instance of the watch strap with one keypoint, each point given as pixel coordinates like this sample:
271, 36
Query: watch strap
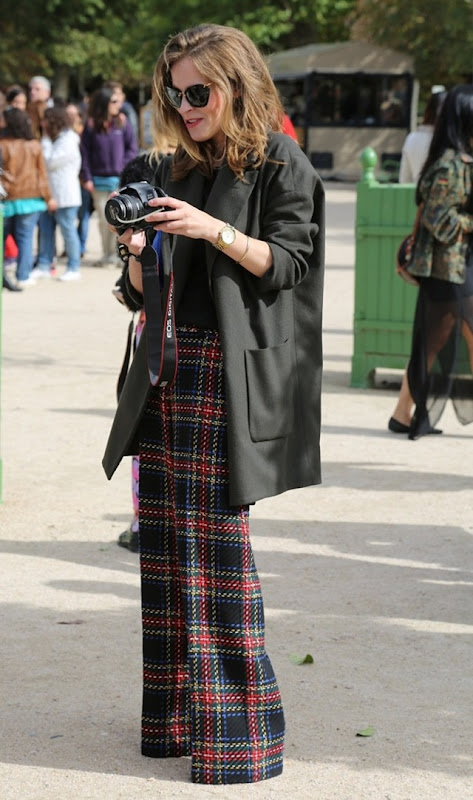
220, 244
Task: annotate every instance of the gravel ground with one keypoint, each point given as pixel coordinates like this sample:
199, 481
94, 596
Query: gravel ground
370, 573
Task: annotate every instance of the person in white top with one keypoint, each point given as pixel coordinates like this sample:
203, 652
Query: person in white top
417, 143
61, 151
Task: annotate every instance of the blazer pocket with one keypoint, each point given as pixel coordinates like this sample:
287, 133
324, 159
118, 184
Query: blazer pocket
271, 388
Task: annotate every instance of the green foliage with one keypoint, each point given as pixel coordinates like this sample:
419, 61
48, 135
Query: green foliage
279, 26
43, 37
91, 40
265, 25
438, 33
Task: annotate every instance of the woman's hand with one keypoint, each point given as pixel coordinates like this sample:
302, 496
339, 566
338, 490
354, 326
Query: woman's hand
183, 219
135, 241
176, 216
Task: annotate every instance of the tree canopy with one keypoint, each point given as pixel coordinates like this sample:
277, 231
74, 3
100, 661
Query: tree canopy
79, 43
86, 41
438, 33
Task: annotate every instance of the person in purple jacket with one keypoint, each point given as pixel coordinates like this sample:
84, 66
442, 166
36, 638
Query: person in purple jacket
108, 143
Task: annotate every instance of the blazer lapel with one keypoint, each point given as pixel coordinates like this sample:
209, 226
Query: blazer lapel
227, 199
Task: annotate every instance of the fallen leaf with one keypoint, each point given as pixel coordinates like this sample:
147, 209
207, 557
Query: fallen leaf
299, 660
369, 731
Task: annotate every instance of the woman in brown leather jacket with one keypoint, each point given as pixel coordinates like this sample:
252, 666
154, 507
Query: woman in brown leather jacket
25, 180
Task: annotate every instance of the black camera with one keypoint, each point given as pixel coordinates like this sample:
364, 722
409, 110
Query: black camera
129, 207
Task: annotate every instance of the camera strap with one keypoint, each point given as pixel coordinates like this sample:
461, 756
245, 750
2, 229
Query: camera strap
158, 297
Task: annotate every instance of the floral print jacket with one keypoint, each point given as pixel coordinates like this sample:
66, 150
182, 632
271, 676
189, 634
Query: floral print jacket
443, 240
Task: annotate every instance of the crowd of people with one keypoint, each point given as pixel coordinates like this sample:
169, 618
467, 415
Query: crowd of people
59, 160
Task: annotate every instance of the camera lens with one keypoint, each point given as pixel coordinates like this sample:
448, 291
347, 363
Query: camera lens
124, 209
132, 208
115, 210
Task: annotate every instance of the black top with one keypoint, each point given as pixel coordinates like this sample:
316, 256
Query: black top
196, 306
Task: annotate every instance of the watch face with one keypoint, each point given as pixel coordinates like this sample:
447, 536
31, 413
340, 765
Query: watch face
228, 236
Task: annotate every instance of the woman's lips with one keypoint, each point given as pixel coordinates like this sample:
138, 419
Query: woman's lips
193, 121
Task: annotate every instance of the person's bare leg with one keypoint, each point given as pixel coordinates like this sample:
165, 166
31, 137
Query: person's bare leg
468, 336
403, 410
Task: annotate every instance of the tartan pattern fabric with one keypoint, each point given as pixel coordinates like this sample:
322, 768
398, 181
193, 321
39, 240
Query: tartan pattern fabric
209, 690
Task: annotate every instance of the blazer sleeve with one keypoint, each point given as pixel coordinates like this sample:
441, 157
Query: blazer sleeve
291, 218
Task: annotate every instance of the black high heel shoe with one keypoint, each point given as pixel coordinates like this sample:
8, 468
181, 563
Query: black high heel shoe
397, 427
414, 432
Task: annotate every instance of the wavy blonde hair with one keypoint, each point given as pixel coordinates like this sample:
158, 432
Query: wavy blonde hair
228, 59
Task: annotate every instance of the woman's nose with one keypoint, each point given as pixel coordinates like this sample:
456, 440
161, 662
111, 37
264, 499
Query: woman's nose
185, 105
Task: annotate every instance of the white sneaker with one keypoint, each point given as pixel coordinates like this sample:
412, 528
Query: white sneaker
40, 273
70, 275
28, 282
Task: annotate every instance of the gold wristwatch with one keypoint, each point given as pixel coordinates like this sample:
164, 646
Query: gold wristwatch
226, 237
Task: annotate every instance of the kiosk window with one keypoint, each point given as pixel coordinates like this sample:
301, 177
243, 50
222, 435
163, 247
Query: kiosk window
359, 100
292, 94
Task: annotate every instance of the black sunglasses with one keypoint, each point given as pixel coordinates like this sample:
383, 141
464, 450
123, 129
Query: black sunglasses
197, 96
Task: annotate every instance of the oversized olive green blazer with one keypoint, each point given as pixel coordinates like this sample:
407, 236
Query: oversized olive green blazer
270, 327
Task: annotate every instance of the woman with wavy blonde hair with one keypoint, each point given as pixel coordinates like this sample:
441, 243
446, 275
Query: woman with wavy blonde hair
252, 103
241, 421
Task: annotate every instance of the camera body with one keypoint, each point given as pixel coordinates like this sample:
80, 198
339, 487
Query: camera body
131, 205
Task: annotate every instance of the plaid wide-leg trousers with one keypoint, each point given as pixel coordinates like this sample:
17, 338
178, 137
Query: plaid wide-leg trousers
209, 690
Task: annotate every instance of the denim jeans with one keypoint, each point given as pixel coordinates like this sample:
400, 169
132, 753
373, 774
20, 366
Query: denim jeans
22, 227
66, 219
